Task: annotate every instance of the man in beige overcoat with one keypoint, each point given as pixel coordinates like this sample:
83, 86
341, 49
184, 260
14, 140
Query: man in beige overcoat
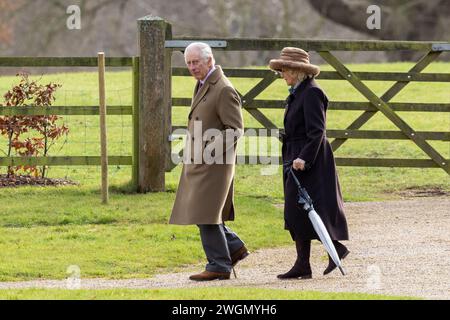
205, 191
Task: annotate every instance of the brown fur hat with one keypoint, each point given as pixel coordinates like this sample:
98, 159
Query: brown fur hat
296, 59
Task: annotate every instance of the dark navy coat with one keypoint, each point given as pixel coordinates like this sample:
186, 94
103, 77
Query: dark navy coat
305, 138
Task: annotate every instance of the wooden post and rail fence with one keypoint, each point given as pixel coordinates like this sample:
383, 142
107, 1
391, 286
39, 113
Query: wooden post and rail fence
152, 99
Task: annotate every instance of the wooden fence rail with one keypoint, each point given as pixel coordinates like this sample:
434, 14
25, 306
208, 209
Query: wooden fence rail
72, 62
374, 104
152, 99
250, 104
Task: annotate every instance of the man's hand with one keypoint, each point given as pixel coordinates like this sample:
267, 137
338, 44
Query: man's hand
298, 164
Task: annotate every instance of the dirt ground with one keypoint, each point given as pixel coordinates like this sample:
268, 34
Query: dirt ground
27, 180
397, 248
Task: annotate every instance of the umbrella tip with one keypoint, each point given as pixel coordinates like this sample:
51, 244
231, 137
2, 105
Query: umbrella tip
342, 271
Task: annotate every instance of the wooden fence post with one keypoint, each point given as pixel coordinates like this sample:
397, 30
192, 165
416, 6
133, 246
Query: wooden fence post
103, 135
154, 102
135, 147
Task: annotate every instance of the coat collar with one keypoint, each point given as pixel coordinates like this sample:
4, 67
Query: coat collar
210, 81
294, 93
214, 76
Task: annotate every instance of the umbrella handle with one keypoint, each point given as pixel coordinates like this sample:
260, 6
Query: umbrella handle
297, 182
307, 199
288, 163
304, 194
288, 166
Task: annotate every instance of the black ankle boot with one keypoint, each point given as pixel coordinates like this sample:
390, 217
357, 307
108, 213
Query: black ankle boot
301, 268
342, 252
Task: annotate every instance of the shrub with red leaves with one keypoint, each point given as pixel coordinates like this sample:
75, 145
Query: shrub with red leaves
42, 131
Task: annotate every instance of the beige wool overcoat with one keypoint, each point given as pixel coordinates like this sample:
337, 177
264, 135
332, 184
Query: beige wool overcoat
205, 191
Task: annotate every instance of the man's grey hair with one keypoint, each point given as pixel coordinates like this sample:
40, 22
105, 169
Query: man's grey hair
204, 49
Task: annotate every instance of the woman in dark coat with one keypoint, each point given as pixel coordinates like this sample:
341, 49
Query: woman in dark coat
307, 149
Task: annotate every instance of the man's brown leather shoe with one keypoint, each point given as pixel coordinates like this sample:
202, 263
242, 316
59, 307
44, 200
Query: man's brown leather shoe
208, 276
239, 255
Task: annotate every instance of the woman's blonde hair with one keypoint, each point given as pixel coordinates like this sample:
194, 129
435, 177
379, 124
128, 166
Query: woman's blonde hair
299, 74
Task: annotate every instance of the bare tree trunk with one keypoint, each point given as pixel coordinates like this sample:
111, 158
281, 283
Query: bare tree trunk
9, 151
286, 31
45, 150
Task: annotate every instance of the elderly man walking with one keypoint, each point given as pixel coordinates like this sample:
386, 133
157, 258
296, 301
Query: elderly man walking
205, 191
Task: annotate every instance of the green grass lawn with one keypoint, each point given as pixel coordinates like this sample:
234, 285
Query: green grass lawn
187, 294
45, 230
128, 238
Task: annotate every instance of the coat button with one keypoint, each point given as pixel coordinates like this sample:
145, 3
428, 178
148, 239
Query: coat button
196, 118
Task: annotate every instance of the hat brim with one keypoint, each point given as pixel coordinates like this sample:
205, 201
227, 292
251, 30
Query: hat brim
279, 64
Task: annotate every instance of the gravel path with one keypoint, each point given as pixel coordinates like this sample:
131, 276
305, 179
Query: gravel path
397, 248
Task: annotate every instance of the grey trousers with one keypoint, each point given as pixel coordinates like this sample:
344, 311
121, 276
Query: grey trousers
219, 243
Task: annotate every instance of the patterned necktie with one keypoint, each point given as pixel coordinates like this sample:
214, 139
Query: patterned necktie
199, 87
